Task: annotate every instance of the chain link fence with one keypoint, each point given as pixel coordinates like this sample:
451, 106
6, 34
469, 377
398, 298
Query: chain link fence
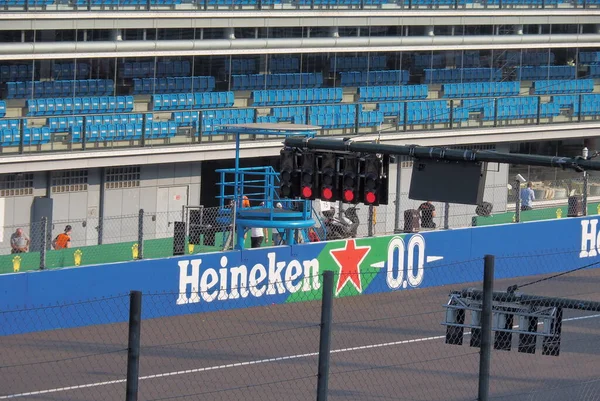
196, 229
66, 351
390, 345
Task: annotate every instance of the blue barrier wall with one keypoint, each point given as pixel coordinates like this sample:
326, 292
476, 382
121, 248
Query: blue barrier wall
264, 276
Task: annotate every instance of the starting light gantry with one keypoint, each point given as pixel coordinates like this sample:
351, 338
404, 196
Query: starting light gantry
334, 176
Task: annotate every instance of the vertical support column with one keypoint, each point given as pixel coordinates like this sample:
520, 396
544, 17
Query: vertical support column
133, 348
370, 230
325, 336
518, 201
446, 216
485, 351
141, 234
398, 209
101, 205
584, 191
44, 246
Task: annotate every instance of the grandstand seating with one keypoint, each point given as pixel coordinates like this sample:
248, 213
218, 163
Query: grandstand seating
383, 93
373, 63
83, 87
10, 124
457, 75
276, 81
333, 117
586, 105
2, 108
545, 72
589, 58
467, 60
213, 119
181, 101
512, 108
594, 71
173, 85
107, 119
288, 113
389, 77
561, 86
16, 72
429, 61
370, 118
241, 66
63, 124
485, 89
185, 118
36, 136
529, 58
296, 96
338, 2
78, 105
10, 136
109, 132
70, 71
278, 65
148, 69
477, 104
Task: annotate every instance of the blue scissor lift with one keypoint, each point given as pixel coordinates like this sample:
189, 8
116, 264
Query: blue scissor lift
259, 186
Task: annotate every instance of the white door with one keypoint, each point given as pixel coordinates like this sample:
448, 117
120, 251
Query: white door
169, 204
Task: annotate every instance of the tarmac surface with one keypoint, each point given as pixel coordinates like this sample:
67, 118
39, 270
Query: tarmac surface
385, 347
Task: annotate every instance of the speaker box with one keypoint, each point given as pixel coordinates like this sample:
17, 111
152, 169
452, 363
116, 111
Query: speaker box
178, 238
448, 181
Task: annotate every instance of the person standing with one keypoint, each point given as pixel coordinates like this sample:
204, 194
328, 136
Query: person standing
527, 197
427, 211
63, 240
19, 241
257, 236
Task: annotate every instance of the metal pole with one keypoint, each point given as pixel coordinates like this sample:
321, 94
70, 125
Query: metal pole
584, 192
398, 194
239, 244
44, 243
370, 231
446, 215
485, 351
133, 348
440, 153
141, 234
518, 201
325, 336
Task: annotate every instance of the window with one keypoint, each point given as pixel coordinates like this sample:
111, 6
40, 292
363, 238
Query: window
122, 177
69, 181
16, 184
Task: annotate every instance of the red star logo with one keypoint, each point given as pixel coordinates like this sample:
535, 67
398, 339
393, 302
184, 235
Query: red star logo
349, 260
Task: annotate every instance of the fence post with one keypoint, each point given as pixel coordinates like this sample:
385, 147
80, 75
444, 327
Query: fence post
133, 347
141, 234
44, 243
325, 336
485, 351
518, 201
398, 194
370, 231
584, 192
446, 216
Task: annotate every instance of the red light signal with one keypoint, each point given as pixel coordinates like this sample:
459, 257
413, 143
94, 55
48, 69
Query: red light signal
327, 194
307, 192
348, 195
370, 197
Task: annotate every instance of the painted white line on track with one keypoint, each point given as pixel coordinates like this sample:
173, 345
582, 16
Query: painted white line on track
248, 363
